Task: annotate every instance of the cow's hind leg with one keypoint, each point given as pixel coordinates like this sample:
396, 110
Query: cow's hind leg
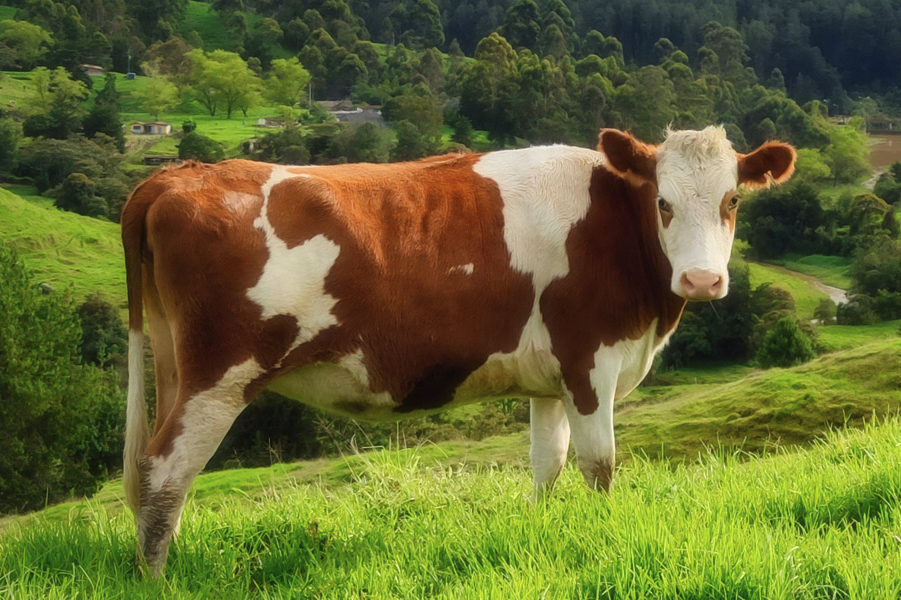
549, 430
178, 452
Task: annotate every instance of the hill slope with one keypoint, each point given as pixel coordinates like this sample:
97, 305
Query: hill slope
64, 249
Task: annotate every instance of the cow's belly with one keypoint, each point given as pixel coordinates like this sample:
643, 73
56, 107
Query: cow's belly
343, 387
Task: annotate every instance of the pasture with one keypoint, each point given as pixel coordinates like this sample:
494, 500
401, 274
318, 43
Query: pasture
822, 523
68, 251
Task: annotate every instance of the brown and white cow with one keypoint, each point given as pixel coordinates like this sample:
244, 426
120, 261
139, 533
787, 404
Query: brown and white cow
381, 291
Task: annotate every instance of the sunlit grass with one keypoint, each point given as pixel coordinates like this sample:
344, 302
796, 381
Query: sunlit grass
817, 524
64, 249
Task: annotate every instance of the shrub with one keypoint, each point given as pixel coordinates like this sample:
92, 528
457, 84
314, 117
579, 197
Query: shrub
785, 345
196, 146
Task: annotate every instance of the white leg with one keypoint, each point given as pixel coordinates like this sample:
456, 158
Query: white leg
177, 453
592, 434
550, 442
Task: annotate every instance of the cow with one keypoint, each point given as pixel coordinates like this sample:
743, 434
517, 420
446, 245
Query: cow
385, 291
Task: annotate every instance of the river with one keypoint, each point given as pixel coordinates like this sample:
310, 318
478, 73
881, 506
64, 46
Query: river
885, 150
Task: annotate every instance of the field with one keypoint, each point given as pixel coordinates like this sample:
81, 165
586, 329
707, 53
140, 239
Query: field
68, 251
823, 523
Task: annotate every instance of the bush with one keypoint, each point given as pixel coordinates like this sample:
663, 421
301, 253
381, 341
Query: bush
785, 345
104, 341
59, 418
196, 146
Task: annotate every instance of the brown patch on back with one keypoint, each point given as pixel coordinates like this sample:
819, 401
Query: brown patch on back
404, 229
618, 283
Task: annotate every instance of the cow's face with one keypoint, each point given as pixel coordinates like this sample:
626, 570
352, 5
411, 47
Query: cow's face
697, 174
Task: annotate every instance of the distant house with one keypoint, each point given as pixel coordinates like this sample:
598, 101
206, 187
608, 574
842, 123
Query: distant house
154, 128
93, 70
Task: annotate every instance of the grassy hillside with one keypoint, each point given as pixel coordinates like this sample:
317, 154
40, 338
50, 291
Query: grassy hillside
64, 249
765, 409
816, 524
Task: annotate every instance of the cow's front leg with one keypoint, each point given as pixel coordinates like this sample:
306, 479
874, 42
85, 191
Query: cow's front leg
590, 413
549, 431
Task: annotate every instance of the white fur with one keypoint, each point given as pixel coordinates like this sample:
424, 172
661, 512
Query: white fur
695, 170
328, 385
137, 431
467, 269
549, 433
207, 418
545, 191
293, 279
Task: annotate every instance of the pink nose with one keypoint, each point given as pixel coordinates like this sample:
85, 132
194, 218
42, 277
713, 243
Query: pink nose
702, 285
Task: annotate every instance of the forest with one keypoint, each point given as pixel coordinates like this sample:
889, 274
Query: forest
446, 76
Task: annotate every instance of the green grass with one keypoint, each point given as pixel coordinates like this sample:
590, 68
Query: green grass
7, 12
200, 17
805, 294
66, 250
831, 270
758, 411
818, 524
845, 337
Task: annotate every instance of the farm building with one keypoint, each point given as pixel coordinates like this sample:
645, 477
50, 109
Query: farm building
156, 127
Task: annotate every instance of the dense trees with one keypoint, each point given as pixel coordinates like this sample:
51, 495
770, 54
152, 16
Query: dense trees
60, 417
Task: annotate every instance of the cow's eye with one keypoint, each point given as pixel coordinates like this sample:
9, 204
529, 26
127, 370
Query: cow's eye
664, 206
733, 202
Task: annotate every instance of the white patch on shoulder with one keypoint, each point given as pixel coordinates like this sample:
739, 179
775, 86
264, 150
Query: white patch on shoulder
466, 269
207, 418
293, 279
545, 191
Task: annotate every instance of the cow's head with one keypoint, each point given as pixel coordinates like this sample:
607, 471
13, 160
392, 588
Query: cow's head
696, 174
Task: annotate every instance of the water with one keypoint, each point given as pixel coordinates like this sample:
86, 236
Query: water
885, 150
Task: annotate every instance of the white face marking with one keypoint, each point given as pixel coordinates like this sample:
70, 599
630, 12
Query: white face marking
695, 171
466, 269
545, 193
293, 280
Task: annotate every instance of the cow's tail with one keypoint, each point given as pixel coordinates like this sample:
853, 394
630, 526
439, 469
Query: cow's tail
137, 428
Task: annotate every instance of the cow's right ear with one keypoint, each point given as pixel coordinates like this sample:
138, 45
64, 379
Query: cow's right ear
628, 157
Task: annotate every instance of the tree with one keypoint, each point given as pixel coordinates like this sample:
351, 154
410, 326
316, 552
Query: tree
785, 345
9, 145
521, 26
488, 87
28, 42
104, 114
418, 107
287, 81
411, 143
60, 107
847, 153
59, 418
222, 79
77, 195
104, 340
366, 142
158, 95
196, 146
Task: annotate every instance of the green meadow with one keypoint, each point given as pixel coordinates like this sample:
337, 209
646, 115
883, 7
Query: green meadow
822, 523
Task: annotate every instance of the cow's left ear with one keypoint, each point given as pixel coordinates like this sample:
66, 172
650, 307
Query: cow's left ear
774, 162
627, 157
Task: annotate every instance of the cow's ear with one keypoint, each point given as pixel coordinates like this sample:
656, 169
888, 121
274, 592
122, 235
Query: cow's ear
627, 157
774, 162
